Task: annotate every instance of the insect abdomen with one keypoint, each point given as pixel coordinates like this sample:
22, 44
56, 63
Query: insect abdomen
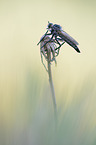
71, 43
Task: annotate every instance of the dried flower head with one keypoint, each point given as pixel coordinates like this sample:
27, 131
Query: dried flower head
50, 50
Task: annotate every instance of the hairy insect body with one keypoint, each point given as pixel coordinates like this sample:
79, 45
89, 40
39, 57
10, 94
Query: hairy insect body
59, 36
56, 30
51, 42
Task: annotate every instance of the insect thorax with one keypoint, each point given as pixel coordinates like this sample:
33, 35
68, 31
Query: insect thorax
57, 26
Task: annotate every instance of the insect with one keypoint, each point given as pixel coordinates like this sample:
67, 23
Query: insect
58, 35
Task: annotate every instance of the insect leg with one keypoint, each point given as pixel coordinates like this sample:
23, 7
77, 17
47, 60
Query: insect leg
43, 37
60, 45
58, 48
60, 39
57, 40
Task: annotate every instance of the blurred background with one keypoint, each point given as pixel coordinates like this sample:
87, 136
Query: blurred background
26, 109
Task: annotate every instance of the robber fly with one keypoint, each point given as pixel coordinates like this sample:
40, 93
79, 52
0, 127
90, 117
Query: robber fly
59, 36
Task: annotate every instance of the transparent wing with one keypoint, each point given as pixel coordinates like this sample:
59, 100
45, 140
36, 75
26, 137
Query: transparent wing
68, 39
64, 35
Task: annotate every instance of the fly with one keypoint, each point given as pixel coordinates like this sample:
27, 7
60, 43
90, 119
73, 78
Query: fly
58, 35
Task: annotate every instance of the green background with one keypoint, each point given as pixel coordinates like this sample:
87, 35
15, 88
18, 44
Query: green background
26, 109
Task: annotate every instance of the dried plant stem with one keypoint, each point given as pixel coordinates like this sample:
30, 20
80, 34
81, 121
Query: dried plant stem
52, 90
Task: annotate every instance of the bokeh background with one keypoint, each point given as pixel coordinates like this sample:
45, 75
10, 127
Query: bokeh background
26, 109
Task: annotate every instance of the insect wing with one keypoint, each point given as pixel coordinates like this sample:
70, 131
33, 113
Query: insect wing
68, 39
65, 36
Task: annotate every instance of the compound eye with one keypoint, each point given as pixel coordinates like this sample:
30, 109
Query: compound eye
50, 25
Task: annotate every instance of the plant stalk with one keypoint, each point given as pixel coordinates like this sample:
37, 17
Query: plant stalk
52, 90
